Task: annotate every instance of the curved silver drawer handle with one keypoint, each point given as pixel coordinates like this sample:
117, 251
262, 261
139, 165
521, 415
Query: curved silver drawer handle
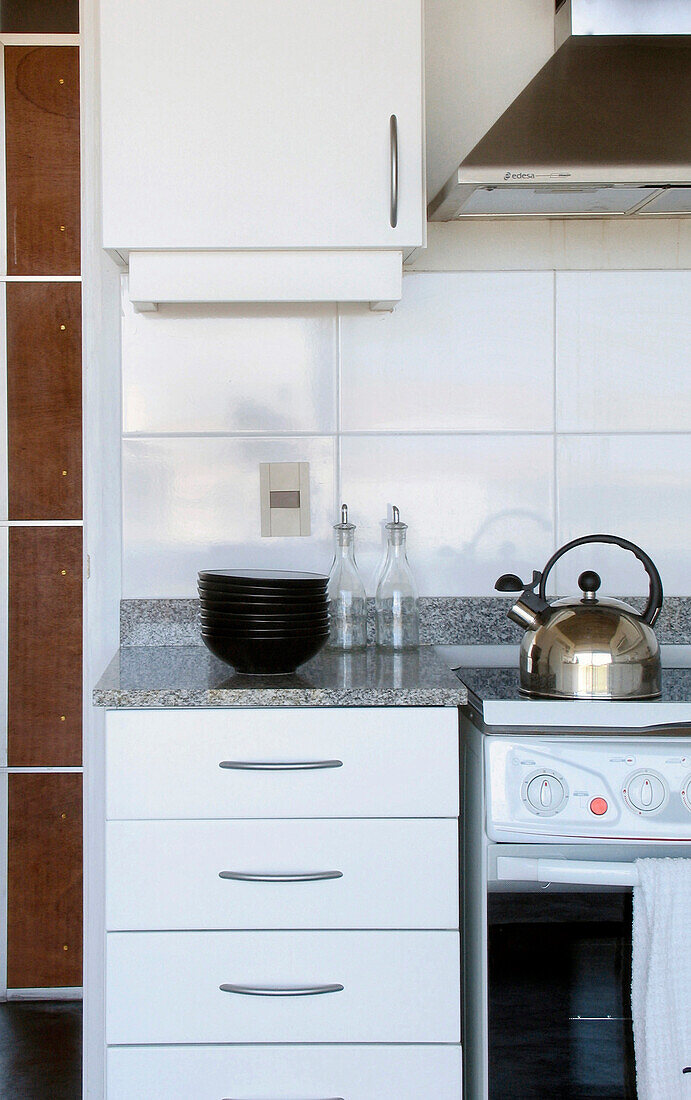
309, 876
393, 145
281, 991
325, 1098
277, 765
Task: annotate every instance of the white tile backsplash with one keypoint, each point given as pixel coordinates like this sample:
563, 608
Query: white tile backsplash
476, 505
193, 503
623, 344
227, 368
461, 352
635, 486
445, 407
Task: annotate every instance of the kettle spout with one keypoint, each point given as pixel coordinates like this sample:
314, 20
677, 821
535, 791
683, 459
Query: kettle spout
529, 606
524, 615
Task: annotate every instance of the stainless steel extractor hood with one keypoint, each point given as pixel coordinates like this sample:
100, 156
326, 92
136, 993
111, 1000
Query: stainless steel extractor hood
603, 129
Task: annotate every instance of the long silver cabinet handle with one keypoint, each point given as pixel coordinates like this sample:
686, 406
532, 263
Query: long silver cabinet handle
393, 147
281, 991
309, 876
325, 1098
278, 765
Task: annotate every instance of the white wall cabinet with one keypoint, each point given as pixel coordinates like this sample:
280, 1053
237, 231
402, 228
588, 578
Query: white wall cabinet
331, 965
261, 124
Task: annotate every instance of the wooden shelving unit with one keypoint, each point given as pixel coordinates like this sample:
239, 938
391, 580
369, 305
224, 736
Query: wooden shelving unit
41, 521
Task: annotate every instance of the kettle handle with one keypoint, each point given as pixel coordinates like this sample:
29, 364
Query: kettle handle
652, 608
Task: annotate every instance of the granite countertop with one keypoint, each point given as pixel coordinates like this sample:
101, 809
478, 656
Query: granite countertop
189, 676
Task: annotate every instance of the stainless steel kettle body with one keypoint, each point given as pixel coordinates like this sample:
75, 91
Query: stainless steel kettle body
587, 647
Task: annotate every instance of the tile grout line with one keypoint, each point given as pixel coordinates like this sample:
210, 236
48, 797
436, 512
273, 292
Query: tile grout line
555, 437
338, 487
141, 437
544, 268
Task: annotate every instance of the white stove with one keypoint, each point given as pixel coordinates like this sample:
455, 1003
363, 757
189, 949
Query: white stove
562, 797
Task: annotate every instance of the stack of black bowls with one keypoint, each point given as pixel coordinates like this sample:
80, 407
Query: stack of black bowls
261, 621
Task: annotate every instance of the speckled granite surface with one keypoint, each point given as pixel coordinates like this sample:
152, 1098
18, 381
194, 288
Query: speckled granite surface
502, 684
159, 622
674, 625
189, 676
454, 620
444, 620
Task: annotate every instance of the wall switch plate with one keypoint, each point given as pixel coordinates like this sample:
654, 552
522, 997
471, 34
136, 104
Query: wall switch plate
284, 489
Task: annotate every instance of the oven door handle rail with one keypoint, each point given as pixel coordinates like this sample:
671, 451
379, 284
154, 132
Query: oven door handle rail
579, 872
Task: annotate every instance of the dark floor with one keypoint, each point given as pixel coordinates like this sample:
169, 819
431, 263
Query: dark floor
40, 1050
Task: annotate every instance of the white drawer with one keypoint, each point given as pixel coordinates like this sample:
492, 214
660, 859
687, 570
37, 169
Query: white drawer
393, 874
327, 762
287, 1073
398, 987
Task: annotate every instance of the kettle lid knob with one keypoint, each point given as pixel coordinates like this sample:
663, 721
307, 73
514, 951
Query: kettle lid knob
589, 582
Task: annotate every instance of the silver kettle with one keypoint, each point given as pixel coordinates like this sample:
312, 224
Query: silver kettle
587, 647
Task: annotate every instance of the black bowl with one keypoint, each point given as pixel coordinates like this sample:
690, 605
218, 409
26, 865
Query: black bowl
247, 596
265, 656
263, 576
274, 603
258, 611
263, 579
290, 622
263, 632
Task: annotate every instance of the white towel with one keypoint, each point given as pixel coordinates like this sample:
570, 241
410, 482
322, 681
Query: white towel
661, 979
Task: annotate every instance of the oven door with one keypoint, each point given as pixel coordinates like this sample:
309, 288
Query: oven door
559, 969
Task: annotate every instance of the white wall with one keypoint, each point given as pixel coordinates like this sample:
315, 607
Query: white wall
503, 411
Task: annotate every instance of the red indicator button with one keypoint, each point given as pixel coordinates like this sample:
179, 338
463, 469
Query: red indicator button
599, 806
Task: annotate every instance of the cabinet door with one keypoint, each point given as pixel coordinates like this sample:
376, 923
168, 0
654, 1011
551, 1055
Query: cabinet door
45, 647
44, 400
44, 892
39, 17
260, 123
42, 154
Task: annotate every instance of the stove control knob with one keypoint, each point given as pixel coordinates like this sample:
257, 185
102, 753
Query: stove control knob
645, 792
545, 793
686, 792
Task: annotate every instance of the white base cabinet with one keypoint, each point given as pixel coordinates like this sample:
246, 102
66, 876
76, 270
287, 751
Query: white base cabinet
281, 892
285, 1072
